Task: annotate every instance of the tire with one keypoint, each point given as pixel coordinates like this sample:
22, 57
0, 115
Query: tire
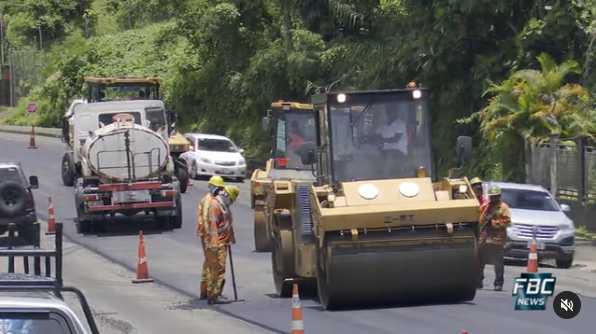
182, 176
13, 199
564, 262
68, 170
176, 222
194, 171
83, 226
240, 179
29, 234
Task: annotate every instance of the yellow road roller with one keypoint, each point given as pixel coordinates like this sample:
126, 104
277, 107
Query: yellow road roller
373, 228
291, 124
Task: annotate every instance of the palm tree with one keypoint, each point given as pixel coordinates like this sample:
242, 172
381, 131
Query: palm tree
531, 105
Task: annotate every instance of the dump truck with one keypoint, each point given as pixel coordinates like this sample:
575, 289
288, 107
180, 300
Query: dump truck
124, 164
374, 228
102, 89
290, 123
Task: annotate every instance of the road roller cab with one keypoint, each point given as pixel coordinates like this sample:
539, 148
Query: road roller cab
290, 124
374, 228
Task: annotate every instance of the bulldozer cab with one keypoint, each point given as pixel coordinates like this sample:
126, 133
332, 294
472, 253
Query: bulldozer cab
101, 89
370, 135
292, 124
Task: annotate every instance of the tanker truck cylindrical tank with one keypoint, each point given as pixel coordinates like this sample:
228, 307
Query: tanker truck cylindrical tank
106, 154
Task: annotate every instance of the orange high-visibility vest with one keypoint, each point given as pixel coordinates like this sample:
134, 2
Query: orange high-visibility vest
295, 141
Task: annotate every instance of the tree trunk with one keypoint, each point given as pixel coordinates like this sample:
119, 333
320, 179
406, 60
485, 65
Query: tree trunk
286, 25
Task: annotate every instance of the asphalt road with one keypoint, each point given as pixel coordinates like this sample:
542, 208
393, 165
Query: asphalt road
174, 259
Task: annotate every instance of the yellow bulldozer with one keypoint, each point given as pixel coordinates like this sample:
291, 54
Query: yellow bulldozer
137, 88
290, 123
373, 227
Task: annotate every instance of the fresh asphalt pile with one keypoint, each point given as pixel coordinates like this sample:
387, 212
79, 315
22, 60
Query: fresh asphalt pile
174, 259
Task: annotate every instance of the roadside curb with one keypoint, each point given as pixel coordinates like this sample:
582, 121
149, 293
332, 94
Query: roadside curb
44, 132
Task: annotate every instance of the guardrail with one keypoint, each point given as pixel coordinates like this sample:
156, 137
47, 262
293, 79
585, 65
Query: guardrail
44, 132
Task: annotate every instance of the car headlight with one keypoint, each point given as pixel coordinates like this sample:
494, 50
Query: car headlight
568, 225
205, 161
242, 161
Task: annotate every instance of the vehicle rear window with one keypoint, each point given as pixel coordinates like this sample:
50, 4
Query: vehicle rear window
10, 174
528, 200
25, 325
217, 145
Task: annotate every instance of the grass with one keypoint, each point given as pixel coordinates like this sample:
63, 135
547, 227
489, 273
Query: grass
582, 233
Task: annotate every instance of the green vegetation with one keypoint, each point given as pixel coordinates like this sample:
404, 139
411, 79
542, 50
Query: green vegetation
224, 61
582, 233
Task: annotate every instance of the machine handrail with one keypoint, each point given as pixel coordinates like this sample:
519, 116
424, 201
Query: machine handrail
12, 281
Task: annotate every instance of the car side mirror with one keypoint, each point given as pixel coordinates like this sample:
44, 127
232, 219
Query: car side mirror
464, 147
307, 153
241, 150
565, 207
33, 182
265, 123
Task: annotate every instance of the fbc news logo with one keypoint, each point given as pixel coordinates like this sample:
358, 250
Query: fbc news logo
532, 291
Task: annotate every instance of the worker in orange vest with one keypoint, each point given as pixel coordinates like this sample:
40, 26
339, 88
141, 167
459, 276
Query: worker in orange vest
219, 237
216, 185
295, 137
476, 184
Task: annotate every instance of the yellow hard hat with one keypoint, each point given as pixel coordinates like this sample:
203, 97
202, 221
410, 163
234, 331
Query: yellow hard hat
494, 190
475, 180
233, 192
217, 181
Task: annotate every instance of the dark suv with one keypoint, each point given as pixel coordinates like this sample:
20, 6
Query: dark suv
16, 202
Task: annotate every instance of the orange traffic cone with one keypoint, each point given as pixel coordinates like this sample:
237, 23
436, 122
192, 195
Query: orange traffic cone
532, 257
51, 218
297, 322
142, 268
32, 139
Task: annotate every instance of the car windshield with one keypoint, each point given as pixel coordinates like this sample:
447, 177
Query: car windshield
30, 324
156, 119
294, 128
217, 145
528, 200
11, 174
380, 137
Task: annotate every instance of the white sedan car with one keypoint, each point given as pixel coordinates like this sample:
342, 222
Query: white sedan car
214, 155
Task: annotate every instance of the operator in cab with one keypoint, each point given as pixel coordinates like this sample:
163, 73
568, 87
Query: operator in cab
476, 184
218, 238
494, 220
392, 139
216, 185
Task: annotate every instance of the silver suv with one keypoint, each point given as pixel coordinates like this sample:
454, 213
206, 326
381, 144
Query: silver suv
534, 211
32, 302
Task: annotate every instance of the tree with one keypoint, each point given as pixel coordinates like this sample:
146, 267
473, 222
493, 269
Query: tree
531, 105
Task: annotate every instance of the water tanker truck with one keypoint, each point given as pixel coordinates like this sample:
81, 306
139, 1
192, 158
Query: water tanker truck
291, 124
105, 89
374, 228
124, 164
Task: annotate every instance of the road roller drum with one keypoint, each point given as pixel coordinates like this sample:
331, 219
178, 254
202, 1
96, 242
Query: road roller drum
359, 274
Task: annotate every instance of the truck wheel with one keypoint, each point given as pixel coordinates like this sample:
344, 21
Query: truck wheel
564, 262
176, 221
83, 226
182, 176
68, 170
29, 234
